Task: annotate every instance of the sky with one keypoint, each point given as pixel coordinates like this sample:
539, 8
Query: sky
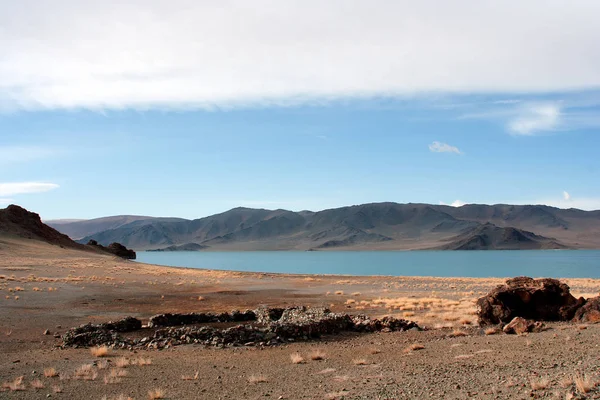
190, 108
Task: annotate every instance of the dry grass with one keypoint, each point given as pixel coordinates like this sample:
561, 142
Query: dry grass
15, 386
254, 379
191, 377
339, 292
56, 389
141, 361
359, 361
583, 383
101, 351
317, 355
122, 362
50, 372
296, 358
37, 384
156, 394
102, 364
566, 381
414, 347
491, 331
374, 351
539, 383
114, 376
356, 294
458, 333
87, 372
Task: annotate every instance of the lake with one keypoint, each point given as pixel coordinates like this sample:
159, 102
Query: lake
535, 263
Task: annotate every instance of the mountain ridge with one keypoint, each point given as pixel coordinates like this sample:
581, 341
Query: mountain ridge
372, 226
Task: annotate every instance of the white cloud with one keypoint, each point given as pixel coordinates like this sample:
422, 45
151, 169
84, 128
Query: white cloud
15, 154
536, 118
439, 147
16, 188
566, 196
187, 53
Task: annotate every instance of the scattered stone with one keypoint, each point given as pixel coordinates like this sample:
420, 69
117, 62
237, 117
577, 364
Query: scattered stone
520, 326
270, 327
46, 332
537, 299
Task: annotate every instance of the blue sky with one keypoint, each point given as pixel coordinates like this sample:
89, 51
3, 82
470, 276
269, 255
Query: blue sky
169, 127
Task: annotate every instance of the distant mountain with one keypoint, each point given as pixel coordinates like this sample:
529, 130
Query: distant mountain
183, 247
77, 229
376, 226
492, 237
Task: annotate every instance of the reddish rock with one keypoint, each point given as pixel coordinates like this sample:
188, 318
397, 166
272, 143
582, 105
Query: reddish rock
589, 312
520, 326
535, 299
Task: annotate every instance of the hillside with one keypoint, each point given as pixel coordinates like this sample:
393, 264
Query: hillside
492, 237
16, 221
77, 229
377, 226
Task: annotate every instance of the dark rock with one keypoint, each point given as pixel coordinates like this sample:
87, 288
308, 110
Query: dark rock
114, 248
589, 312
537, 299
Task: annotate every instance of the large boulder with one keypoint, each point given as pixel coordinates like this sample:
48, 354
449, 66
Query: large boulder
121, 251
589, 312
536, 299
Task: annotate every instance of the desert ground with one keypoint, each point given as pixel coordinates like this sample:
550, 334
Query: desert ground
44, 290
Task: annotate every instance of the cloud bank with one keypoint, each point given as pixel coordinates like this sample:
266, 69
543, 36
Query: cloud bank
196, 54
16, 188
439, 147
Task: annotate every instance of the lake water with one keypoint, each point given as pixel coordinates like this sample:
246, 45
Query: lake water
535, 263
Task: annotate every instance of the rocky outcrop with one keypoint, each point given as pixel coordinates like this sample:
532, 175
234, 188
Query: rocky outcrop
537, 299
263, 327
521, 326
114, 248
15, 220
589, 312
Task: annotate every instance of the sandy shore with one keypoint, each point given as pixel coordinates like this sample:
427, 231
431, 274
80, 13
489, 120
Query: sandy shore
48, 288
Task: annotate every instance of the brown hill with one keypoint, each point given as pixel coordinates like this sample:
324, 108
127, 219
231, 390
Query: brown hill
492, 237
17, 221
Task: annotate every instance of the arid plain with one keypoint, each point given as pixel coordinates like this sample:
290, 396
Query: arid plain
46, 289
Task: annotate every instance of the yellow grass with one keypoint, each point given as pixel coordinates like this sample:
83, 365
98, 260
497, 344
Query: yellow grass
339, 292
414, 347
50, 372
101, 351
317, 355
491, 331
296, 358
37, 384
122, 362
539, 383
458, 333
191, 377
155, 394
359, 361
86, 372
141, 361
583, 383
15, 385
56, 389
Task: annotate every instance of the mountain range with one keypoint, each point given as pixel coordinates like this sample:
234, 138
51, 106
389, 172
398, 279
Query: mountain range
375, 226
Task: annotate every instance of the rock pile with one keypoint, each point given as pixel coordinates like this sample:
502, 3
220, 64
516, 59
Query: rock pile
536, 299
114, 248
162, 320
271, 327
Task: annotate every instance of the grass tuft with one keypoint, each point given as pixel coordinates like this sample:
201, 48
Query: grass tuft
296, 358
50, 372
254, 379
155, 394
101, 351
539, 383
317, 355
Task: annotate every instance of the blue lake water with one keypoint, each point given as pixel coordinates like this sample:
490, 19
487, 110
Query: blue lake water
535, 263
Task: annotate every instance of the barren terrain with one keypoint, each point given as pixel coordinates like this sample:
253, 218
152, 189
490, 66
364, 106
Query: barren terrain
44, 287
